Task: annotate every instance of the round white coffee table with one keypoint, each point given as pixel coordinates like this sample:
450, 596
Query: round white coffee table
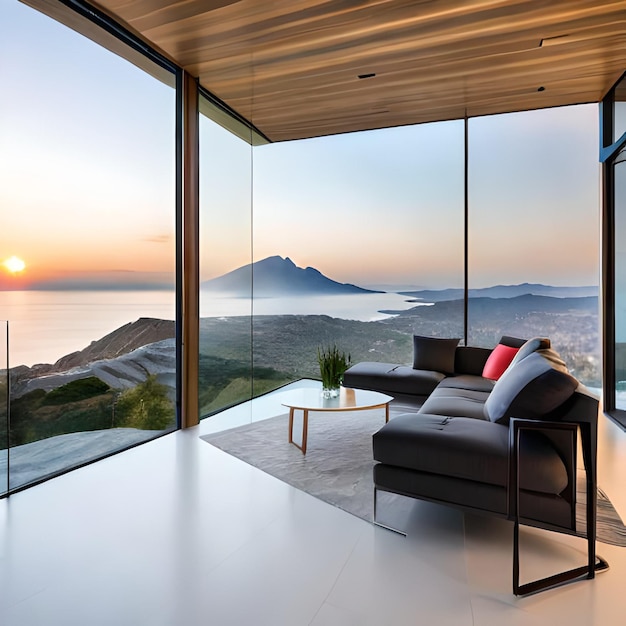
309, 400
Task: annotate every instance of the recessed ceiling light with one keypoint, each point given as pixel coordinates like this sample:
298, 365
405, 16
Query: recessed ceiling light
362, 76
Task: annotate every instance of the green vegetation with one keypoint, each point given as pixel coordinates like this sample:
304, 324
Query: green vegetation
145, 406
226, 382
284, 349
32, 418
88, 404
76, 390
287, 345
333, 365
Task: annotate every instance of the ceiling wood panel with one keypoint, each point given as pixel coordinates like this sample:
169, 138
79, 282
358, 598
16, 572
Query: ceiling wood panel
291, 66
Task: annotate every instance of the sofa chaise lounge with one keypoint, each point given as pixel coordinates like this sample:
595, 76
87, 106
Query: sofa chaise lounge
496, 433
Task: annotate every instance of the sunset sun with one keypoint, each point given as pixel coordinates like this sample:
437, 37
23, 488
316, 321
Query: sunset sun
14, 265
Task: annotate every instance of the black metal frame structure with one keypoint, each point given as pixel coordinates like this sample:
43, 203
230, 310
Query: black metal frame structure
569, 450
609, 151
564, 436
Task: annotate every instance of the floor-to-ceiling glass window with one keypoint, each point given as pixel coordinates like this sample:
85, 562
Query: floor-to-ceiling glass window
358, 242
225, 366
87, 244
619, 180
534, 231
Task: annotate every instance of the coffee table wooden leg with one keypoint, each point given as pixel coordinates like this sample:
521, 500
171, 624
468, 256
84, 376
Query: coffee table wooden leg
291, 425
305, 429
386, 412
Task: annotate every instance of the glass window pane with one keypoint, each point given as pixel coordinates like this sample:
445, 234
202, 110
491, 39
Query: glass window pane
533, 232
620, 284
225, 368
352, 235
87, 167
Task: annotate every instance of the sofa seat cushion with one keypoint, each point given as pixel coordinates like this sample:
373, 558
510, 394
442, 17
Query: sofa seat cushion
391, 378
468, 449
469, 382
456, 402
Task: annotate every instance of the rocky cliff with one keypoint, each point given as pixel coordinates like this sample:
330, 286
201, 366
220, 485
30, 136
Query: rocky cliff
121, 359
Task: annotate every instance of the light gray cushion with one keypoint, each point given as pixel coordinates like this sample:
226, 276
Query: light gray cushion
530, 346
433, 353
532, 388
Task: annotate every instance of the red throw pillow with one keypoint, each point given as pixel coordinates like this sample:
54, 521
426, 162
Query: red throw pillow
499, 359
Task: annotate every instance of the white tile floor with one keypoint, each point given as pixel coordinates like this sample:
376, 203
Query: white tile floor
176, 532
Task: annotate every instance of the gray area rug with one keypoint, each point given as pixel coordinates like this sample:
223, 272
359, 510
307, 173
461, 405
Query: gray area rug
337, 467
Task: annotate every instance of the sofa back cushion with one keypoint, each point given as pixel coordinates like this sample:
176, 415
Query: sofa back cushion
433, 353
512, 342
531, 388
470, 360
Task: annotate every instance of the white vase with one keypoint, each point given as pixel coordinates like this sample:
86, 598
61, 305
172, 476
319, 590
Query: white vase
330, 392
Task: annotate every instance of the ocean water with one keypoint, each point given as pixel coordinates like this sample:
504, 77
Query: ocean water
46, 325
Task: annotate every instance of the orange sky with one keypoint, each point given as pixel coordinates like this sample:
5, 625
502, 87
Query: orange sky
11, 280
87, 186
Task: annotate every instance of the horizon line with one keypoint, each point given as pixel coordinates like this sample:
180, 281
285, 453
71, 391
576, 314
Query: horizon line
388, 287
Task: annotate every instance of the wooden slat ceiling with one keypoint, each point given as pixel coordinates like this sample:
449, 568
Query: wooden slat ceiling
292, 67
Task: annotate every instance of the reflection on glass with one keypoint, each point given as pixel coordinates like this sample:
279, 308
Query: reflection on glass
4, 406
620, 285
533, 232
89, 185
225, 367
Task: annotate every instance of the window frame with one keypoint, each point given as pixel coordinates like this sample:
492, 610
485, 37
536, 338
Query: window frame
609, 152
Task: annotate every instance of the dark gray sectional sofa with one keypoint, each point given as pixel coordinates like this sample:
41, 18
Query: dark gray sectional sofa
489, 437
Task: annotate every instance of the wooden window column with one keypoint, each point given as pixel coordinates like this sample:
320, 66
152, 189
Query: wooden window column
190, 254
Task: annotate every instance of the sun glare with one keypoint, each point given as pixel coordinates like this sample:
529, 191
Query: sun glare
14, 265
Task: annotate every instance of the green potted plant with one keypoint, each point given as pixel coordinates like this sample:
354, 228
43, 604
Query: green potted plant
333, 364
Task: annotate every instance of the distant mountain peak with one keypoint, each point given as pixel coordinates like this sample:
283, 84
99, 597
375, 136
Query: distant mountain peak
276, 276
505, 291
